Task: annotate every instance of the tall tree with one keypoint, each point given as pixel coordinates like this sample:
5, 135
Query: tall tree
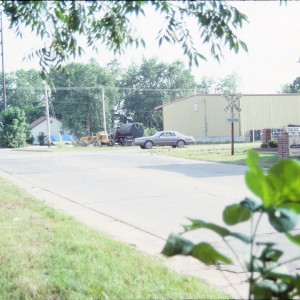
25, 90
206, 85
294, 87
229, 84
62, 22
77, 97
149, 85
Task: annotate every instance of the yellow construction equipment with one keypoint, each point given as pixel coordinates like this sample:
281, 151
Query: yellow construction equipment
101, 138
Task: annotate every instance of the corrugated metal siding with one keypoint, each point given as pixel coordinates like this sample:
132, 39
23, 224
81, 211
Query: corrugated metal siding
180, 116
258, 112
269, 111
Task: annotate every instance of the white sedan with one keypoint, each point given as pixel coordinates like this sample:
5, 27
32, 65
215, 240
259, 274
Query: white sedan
164, 138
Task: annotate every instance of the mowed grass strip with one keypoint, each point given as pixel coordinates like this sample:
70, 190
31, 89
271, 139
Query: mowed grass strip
220, 153
45, 254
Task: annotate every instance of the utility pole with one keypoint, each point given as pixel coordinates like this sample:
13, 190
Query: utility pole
2, 56
205, 118
103, 110
47, 114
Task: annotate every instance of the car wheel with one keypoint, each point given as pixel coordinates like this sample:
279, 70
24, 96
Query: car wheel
180, 144
148, 145
142, 147
174, 146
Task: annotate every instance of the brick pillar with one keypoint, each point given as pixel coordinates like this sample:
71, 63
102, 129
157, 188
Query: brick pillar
266, 135
283, 145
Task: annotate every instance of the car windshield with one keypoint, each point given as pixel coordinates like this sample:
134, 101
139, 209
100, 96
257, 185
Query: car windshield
158, 133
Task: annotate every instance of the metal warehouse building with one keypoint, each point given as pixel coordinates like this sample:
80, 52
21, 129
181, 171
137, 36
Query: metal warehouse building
204, 117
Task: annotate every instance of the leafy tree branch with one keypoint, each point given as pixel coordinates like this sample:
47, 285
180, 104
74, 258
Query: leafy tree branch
60, 23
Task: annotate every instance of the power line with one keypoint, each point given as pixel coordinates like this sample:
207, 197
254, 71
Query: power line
101, 87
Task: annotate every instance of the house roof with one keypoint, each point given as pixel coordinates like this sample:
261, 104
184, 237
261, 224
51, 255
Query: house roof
39, 121
160, 107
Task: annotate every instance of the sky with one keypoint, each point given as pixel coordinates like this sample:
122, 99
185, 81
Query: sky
272, 37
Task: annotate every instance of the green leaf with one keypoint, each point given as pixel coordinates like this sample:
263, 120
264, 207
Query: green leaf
43, 75
283, 220
264, 289
219, 31
243, 45
251, 204
256, 180
270, 253
222, 231
176, 244
293, 238
285, 177
236, 47
208, 254
235, 214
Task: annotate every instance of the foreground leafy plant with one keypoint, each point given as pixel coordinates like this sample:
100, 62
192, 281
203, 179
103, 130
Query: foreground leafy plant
279, 199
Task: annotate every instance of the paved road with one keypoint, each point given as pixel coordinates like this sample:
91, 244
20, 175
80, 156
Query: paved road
151, 194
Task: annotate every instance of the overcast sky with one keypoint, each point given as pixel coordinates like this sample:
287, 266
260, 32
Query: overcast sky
272, 36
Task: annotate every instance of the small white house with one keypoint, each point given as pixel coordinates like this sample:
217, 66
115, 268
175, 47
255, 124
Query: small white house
39, 127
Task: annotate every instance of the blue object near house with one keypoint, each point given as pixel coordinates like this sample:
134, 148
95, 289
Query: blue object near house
65, 138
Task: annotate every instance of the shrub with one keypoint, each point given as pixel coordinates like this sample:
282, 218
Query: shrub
149, 131
14, 131
264, 145
272, 144
30, 140
41, 139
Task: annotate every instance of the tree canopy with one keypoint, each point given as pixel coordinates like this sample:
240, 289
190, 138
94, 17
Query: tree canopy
294, 87
78, 96
229, 84
130, 95
60, 23
25, 90
149, 85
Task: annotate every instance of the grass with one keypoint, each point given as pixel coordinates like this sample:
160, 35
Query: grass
220, 153
47, 255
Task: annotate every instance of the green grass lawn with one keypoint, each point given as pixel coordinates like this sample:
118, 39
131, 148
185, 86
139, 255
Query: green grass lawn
47, 255
220, 153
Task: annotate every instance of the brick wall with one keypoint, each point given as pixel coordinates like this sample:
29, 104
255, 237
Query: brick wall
283, 145
266, 135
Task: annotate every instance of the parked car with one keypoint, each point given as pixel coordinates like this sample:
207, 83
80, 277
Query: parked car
164, 138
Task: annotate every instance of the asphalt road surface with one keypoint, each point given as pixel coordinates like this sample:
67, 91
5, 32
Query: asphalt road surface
153, 194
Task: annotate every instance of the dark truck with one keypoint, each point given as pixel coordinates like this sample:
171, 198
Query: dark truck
126, 133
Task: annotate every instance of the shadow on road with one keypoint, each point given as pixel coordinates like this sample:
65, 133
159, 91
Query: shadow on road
201, 170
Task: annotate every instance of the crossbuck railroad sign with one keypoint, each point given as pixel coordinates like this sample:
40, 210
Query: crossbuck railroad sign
232, 101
